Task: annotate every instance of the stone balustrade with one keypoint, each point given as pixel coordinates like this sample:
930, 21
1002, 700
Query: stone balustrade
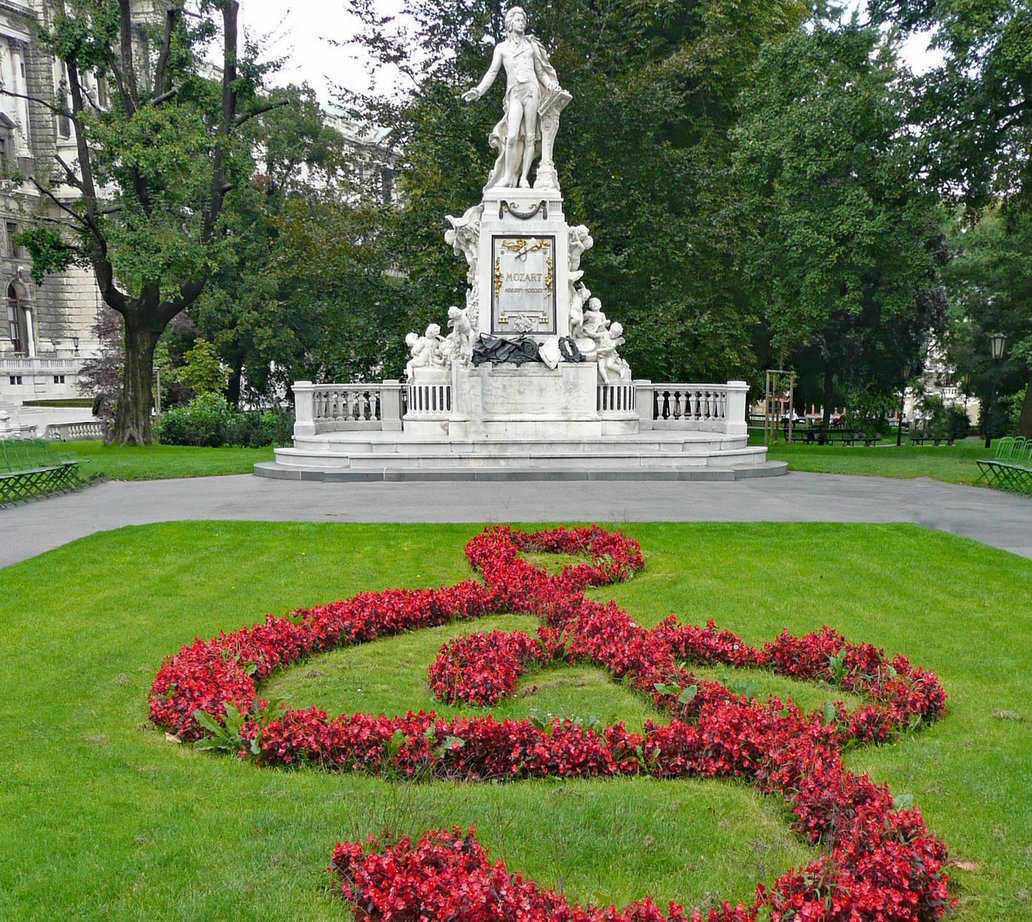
24, 365
702, 407
75, 432
341, 407
381, 406
428, 401
616, 400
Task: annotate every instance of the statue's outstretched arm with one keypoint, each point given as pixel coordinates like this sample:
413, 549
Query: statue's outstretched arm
489, 77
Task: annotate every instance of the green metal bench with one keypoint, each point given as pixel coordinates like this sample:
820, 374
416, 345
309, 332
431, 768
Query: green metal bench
1010, 468
33, 467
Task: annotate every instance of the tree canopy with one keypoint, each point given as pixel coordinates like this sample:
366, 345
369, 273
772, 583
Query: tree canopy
643, 155
154, 169
843, 239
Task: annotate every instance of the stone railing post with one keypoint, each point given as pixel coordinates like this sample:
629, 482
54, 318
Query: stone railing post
390, 405
644, 402
736, 423
304, 408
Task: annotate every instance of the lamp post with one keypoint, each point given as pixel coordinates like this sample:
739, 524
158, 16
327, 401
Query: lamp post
997, 343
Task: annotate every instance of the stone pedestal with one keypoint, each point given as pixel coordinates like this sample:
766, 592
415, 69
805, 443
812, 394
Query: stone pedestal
525, 402
523, 264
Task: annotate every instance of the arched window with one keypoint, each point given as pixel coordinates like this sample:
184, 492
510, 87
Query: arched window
15, 320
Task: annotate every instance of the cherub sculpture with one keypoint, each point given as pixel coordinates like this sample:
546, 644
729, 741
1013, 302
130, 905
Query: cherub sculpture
425, 351
458, 344
610, 366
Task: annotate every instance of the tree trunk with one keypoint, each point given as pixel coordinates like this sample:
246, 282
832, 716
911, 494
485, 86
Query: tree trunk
899, 419
829, 396
133, 420
1025, 420
233, 390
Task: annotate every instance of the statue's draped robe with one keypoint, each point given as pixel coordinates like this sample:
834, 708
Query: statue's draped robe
548, 83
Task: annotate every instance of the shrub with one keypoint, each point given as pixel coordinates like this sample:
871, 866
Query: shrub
942, 421
210, 421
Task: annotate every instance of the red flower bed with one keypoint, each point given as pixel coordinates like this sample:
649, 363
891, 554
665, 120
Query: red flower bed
878, 862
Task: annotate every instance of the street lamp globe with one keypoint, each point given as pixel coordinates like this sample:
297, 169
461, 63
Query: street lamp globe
998, 341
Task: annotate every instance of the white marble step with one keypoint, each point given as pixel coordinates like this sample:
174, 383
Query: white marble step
535, 457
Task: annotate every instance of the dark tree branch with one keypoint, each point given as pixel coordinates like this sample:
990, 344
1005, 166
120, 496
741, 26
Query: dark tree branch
227, 121
125, 24
172, 15
260, 110
163, 97
103, 271
74, 215
70, 177
48, 104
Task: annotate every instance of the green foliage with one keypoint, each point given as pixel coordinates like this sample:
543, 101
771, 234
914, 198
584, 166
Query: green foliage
842, 239
307, 291
209, 421
642, 154
990, 285
974, 106
144, 204
203, 372
944, 422
50, 251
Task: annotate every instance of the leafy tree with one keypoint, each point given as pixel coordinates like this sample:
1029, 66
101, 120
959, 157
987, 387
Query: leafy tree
976, 125
308, 290
842, 242
975, 108
990, 289
203, 372
643, 155
154, 171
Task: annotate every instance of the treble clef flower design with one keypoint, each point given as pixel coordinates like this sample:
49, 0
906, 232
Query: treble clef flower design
877, 861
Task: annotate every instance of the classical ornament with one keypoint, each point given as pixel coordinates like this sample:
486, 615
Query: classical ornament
530, 113
464, 238
425, 351
458, 344
580, 242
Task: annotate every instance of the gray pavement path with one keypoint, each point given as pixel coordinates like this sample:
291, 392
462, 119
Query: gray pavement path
994, 518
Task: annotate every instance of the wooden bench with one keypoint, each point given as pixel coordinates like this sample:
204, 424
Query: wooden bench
1010, 468
31, 467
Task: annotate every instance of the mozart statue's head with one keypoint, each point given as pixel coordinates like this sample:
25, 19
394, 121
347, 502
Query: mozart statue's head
516, 20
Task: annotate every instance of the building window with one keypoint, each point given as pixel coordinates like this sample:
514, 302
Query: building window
15, 321
387, 186
15, 379
59, 379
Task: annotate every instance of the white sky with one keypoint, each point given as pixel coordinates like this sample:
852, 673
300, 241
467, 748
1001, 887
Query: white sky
301, 31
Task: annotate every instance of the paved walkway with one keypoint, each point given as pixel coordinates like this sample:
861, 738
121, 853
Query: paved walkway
998, 519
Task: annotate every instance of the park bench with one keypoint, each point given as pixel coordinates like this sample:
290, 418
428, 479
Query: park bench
32, 467
919, 438
821, 436
1010, 468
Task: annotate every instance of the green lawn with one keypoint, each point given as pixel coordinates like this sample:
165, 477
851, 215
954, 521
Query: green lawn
952, 463
102, 818
158, 462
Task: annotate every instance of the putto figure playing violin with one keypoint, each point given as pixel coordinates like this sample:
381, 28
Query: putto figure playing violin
530, 115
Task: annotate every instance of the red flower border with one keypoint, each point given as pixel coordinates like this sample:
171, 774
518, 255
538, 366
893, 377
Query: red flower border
877, 863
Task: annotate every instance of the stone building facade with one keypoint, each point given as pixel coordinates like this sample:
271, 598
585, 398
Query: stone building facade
47, 330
